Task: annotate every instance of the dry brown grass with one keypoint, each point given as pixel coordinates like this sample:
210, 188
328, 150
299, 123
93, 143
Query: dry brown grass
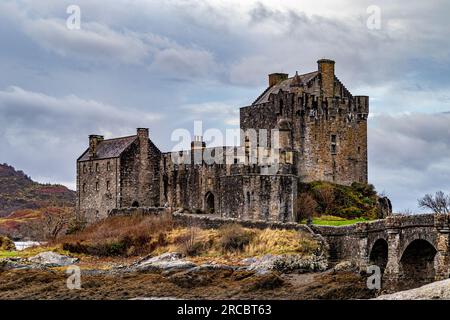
281, 242
133, 235
140, 235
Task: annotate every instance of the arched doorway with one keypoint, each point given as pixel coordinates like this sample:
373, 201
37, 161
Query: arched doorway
379, 254
416, 266
209, 202
135, 204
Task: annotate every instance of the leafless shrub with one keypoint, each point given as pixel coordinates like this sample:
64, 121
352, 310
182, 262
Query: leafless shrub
234, 237
306, 206
189, 244
439, 203
326, 197
50, 225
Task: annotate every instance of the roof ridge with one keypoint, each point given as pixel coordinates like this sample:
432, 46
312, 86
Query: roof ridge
118, 138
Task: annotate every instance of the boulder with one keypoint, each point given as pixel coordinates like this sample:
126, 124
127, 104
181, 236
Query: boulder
435, 290
346, 265
52, 259
286, 263
166, 262
6, 244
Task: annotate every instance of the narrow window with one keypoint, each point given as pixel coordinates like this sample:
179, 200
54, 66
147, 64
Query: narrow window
333, 144
108, 166
84, 168
84, 187
97, 167
97, 186
107, 185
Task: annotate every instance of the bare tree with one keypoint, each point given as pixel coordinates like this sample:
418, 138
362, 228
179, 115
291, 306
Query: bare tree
306, 206
50, 225
326, 197
440, 203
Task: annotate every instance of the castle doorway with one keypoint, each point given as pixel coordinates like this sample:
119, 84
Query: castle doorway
135, 204
209, 202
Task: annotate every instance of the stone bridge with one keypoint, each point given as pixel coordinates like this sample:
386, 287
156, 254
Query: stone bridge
410, 250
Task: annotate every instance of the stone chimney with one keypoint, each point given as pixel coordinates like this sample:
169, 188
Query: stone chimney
144, 167
326, 70
94, 140
275, 78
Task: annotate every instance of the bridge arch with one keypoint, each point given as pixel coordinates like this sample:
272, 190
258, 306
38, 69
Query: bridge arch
417, 264
379, 254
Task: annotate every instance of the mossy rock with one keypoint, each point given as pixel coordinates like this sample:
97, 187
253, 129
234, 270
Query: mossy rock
7, 244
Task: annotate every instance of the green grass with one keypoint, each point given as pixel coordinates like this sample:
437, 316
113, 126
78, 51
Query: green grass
335, 221
8, 254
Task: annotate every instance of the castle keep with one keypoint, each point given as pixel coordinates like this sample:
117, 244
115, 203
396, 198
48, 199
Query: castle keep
322, 135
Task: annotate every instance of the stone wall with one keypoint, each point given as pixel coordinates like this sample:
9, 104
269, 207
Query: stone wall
98, 187
140, 177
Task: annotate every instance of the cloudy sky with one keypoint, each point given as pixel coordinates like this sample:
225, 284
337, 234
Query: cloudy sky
164, 64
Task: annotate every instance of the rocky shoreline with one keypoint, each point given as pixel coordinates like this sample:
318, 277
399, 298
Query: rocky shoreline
171, 275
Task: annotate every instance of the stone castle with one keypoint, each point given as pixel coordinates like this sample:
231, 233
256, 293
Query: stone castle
322, 135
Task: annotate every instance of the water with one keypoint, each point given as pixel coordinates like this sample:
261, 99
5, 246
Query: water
21, 245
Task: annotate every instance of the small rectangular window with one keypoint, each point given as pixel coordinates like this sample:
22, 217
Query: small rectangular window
107, 185
97, 186
97, 167
333, 144
108, 166
333, 138
84, 168
84, 187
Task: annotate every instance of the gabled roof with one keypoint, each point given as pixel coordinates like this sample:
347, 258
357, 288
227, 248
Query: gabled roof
111, 148
285, 85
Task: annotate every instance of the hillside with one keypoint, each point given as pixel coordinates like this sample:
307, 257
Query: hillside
19, 192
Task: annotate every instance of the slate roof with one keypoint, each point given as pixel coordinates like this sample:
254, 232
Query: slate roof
111, 148
284, 85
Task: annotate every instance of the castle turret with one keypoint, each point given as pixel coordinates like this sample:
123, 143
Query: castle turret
326, 70
94, 140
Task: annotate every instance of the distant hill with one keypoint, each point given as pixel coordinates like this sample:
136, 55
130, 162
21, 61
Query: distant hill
19, 192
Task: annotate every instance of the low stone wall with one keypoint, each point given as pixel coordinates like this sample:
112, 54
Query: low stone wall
214, 222
137, 211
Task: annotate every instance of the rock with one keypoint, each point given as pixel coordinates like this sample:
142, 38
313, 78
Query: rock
266, 281
260, 265
6, 244
190, 279
287, 263
52, 259
346, 265
435, 290
166, 262
18, 263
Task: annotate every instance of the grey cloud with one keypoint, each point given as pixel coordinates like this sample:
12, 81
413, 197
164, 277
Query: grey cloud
409, 155
44, 134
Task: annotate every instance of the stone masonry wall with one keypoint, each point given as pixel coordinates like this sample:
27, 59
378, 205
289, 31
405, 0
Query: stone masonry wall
98, 187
